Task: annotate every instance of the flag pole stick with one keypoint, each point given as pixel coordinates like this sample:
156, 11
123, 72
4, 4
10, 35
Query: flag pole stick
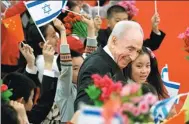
155, 4
35, 24
98, 1
72, 12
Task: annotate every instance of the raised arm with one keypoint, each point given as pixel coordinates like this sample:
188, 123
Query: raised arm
93, 25
156, 36
64, 86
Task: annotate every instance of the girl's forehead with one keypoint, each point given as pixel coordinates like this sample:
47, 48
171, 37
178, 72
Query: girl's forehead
142, 57
50, 29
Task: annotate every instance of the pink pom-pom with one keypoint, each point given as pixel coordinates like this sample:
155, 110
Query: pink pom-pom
130, 7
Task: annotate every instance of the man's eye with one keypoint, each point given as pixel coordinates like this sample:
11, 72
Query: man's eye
130, 49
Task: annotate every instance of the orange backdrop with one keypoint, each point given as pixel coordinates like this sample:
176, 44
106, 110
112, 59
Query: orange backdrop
174, 20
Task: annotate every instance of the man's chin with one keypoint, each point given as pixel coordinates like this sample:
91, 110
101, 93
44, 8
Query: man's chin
123, 66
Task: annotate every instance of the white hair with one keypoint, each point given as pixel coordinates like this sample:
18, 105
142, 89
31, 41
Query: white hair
122, 27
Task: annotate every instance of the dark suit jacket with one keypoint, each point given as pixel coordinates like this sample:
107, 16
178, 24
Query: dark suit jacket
97, 63
153, 42
46, 100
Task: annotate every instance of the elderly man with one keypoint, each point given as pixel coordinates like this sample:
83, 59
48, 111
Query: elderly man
124, 45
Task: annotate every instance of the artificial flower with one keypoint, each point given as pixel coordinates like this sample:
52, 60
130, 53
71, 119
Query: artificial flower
134, 106
68, 25
130, 7
185, 36
150, 98
143, 107
3, 87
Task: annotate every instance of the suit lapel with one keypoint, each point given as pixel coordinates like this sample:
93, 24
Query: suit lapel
116, 73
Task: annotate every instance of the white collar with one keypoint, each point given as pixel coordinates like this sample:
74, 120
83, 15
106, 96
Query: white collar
129, 81
107, 50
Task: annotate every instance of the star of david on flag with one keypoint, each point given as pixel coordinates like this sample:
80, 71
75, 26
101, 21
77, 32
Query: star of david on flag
44, 11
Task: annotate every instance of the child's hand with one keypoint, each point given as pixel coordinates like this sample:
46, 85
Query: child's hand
155, 22
89, 21
59, 25
27, 52
48, 54
97, 23
19, 107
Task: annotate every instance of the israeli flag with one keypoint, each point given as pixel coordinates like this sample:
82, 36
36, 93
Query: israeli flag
6, 3
171, 86
161, 109
93, 115
44, 11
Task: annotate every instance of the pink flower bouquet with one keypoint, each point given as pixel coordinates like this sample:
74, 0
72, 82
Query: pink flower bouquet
133, 107
185, 36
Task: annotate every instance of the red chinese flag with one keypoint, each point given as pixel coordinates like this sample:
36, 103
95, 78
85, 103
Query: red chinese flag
13, 27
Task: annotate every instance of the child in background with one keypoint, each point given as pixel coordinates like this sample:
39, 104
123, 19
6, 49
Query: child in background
70, 63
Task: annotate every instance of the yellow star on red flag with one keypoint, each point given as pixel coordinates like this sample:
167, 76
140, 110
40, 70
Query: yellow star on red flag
14, 27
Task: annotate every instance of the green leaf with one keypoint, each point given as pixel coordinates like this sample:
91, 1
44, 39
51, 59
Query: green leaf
1, 82
125, 99
5, 95
98, 103
139, 92
93, 92
80, 29
187, 57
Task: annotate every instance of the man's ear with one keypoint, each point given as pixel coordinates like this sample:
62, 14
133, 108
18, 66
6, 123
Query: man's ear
41, 45
114, 40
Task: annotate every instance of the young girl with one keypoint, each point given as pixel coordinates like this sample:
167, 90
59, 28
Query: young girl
35, 40
145, 70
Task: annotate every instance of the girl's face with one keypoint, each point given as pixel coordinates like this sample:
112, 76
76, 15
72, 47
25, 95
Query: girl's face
79, 3
76, 9
141, 68
52, 36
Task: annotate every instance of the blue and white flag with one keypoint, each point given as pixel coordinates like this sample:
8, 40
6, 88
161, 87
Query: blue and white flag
6, 3
161, 109
171, 86
44, 11
93, 115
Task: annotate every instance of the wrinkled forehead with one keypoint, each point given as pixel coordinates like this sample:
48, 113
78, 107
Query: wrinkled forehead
133, 34
133, 39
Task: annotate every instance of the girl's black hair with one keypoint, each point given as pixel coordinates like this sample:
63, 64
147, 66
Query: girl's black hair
20, 84
33, 37
71, 4
154, 77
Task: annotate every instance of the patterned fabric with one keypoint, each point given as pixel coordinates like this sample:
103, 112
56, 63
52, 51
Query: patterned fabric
90, 49
53, 117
